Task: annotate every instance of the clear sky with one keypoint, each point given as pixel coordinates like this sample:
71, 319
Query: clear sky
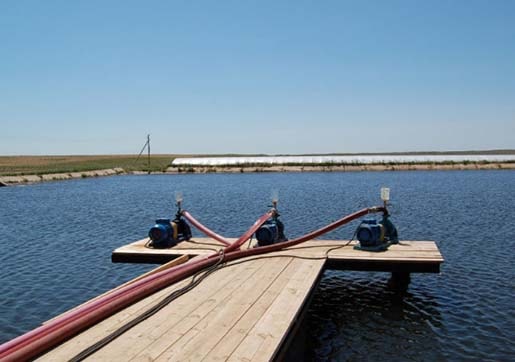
94, 77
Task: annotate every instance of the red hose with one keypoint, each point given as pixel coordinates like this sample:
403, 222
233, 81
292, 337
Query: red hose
306, 237
41, 339
204, 229
230, 246
35, 342
242, 239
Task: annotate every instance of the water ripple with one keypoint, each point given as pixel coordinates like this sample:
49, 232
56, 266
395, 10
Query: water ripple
56, 241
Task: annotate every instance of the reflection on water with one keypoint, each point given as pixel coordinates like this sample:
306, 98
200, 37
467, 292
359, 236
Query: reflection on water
56, 240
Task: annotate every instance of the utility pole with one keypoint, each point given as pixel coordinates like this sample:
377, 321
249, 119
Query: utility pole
148, 143
147, 146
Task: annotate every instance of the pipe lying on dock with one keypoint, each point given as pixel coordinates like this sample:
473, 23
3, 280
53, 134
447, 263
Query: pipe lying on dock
41, 339
204, 229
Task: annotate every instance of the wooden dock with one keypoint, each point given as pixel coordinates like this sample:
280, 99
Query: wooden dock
407, 256
241, 312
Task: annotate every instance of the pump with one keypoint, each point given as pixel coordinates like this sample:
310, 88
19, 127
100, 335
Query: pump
166, 233
374, 235
272, 231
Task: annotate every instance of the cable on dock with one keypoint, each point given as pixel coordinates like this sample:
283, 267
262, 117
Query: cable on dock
151, 311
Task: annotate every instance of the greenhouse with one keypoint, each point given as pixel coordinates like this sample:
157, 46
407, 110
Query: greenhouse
335, 159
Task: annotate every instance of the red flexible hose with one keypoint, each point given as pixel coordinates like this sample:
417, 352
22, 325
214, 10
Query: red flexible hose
230, 246
41, 339
306, 237
205, 229
33, 343
242, 239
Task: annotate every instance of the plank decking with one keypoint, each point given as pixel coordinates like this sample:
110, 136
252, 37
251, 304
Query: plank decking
408, 256
241, 312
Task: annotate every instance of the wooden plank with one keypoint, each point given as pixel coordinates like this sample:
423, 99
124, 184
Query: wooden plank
233, 338
264, 339
212, 328
70, 348
209, 245
404, 244
184, 333
351, 254
239, 312
95, 333
407, 256
201, 246
138, 252
400, 252
215, 318
172, 324
300, 286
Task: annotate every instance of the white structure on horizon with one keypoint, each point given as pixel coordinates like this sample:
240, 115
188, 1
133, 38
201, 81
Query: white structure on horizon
350, 159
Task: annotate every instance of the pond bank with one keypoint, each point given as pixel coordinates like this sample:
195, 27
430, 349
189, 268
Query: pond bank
24, 179
27, 179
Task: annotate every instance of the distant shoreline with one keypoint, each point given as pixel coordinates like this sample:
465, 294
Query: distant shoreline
343, 168
28, 179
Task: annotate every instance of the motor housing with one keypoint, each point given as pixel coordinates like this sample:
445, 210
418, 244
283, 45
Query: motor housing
370, 233
271, 232
166, 233
376, 236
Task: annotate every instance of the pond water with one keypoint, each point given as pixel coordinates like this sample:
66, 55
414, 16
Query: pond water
56, 240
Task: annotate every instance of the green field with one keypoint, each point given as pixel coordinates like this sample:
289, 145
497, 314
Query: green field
40, 165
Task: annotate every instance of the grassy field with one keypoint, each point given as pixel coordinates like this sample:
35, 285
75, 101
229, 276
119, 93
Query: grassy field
39, 165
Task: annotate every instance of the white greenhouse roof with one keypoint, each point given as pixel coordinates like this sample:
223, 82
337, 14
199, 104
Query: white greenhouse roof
350, 159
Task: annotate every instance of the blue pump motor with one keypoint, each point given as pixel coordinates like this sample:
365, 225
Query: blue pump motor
376, 236
166, 233
370, 233
271, 232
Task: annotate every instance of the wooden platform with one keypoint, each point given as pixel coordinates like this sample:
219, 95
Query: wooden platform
242, 312
407, 256
239, 313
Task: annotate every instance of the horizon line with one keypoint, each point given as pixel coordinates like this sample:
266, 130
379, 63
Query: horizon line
461, 152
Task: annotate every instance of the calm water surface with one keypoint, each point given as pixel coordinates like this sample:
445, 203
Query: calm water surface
56, 240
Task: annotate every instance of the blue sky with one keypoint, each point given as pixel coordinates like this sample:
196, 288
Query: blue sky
94, 77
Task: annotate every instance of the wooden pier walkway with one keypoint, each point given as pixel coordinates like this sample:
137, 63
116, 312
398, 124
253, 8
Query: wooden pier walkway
241, 312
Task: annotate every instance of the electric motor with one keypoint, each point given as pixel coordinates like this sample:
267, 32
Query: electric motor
271, 232
376, 236
370, 233
166, 233
267, 234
